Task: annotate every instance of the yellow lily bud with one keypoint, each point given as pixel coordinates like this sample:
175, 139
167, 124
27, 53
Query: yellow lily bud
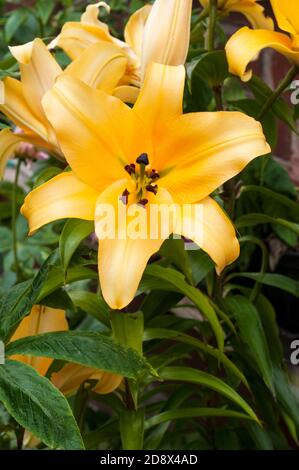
167, 33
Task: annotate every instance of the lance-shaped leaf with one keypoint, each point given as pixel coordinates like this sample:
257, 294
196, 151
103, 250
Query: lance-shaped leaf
38, 406
19, 300
188, 374
167, 277
89, 349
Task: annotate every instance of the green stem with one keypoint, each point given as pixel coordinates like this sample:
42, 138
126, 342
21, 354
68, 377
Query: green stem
282, 86
212, 25
203, 15
14, 218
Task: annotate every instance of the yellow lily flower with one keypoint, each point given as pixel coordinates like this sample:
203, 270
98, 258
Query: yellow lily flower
9, 143
71, 376
149, 155
158, 33
251, 9
21, 101
245, 45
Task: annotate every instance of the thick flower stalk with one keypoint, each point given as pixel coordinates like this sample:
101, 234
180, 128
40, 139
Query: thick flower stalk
251, 9
71, 376
158, 33
21, 100
139, 159
245, 45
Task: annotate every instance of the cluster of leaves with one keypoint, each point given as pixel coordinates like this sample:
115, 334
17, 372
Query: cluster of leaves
202, 355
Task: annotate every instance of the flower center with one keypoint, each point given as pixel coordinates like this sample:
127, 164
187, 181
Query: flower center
143, 178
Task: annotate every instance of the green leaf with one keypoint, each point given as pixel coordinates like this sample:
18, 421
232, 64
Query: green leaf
15, 20
252, 333
5, 239
57, 279
211, 67
174, 251
74, 231
274, 280
89, 349
45, 9
187, 374
275, 197
91, 303
46, 174
250, 220
131, 424
284, 112
285, 396
201, 265
184, 413
176, 281
38, 406
18, 301
161, 333
268, 317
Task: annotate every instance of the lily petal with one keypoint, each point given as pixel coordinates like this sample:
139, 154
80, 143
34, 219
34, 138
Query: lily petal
167, 33
39, 71
251, 9
107, 383
255, 14
126, 93
98, 139
71, 376
91, 14
99, 66
41, 320
161, 96
287, 15
134, 30
246, 44
122, 261
64, 196
201, 151
210, 228
16, 108
9, 142
76, 36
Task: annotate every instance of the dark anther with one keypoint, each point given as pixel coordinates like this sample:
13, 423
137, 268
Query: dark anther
152, 188
130, 168
124, 197
143, 202
154, 175
143, 159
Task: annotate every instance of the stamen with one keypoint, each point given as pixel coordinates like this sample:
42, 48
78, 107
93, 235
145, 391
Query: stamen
125, 197
130, 168
154, 175
142, 159
152, 188
143, 202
